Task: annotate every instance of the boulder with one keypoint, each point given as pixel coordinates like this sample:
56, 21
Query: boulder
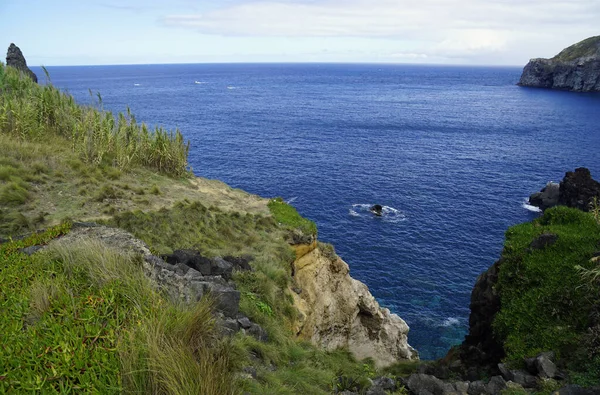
545, 367
419, 383
377, 209
579, 190
547, 197
542, 241
15, 58
573, 389
496, 385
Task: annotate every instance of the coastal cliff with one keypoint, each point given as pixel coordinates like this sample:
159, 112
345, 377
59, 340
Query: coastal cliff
576, 68
338, 311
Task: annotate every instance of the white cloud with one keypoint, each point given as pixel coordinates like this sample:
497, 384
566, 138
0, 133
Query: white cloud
435, 28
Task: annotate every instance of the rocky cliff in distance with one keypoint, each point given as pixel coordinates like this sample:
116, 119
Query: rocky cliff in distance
15, 58
339, 311
576, 68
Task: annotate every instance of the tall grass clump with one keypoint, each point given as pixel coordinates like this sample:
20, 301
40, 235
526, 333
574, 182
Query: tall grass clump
29, 111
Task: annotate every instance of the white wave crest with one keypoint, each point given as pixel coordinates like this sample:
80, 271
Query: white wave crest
200, 82
529, 207
137, 84
231, 87
450, 321
389, 214
291, 200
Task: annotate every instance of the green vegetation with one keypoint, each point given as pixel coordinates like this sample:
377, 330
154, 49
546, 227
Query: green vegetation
546, 302
29, 111
588, 47
84, 318
287, 215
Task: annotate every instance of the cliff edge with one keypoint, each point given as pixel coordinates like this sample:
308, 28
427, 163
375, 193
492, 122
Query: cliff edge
576, 68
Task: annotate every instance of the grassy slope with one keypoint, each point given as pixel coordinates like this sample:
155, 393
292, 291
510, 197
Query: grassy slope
588, 47
108, 331
546, 302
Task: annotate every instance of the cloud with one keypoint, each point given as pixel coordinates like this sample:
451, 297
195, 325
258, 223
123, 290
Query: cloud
461, 28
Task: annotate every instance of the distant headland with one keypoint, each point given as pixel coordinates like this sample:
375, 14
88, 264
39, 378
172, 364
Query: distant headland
576, 68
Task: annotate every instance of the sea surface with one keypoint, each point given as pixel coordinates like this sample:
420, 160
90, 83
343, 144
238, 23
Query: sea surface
451, 152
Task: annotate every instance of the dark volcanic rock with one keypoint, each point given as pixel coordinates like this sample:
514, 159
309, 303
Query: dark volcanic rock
576, 68
578, 189
480, 348
542, 241
547, 197
15, 58
377, 210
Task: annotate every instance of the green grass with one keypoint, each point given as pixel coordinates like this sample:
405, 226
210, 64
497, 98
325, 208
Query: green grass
287, 215
588, 47
84, 318
546, 303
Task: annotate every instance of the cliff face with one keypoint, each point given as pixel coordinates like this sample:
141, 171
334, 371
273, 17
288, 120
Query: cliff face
339, 311
576, 68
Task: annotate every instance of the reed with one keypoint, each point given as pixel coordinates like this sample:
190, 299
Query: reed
29, 111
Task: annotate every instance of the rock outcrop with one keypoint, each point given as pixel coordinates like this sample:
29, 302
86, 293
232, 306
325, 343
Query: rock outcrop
15, 58
576, 68
339, 311
184, 276
577, 189
547, 197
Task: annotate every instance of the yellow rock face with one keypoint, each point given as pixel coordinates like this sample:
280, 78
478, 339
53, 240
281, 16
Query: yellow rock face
339, 311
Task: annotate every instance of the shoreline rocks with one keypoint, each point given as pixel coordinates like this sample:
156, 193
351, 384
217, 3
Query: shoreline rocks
577, 189
15, 58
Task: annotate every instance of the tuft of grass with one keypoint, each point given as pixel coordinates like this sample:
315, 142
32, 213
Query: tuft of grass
14, 193
107, 192
287, 215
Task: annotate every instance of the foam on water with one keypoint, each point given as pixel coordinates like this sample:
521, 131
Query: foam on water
529, 207
137, 84
389, 214
451, 321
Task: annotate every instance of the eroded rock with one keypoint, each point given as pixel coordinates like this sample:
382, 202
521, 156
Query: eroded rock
339, 311
15, 58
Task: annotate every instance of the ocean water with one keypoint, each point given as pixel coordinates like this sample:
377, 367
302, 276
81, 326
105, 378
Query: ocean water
451, 152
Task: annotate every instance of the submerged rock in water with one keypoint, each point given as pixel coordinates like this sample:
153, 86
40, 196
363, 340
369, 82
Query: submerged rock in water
377, 209
15, 58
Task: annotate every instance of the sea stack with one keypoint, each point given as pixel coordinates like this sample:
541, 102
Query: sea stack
15, 58
576, 68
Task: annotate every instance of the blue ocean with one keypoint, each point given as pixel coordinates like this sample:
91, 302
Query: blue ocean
450, 152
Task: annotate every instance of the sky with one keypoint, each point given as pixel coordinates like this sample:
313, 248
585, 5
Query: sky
469, 32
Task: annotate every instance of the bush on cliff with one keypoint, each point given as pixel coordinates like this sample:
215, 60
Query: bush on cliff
546, 304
